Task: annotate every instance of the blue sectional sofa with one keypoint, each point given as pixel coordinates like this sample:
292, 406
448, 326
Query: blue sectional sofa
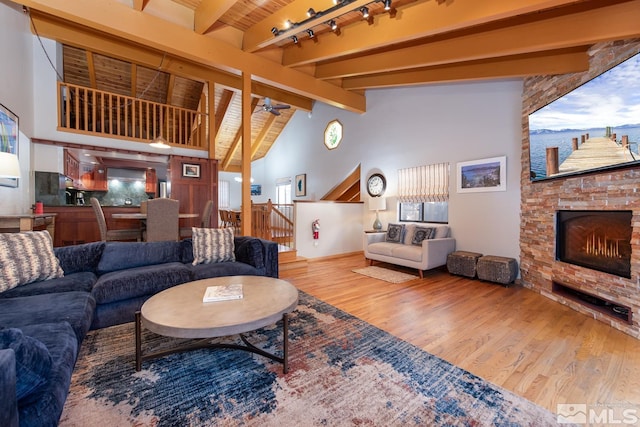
43, 323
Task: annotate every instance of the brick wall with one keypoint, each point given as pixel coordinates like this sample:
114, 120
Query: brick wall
611, 190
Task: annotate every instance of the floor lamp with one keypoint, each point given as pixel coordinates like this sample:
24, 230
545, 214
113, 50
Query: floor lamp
377, 204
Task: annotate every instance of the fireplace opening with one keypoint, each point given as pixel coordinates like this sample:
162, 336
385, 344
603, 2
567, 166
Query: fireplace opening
600, 240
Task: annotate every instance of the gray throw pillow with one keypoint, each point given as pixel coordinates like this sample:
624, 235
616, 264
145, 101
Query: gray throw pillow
212, 245
395, 233
27, 257
422, 233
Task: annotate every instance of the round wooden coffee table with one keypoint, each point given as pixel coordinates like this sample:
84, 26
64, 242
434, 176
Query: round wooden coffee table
179, 312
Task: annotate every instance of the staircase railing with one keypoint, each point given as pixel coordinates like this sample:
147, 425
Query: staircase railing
273, 222
96, 112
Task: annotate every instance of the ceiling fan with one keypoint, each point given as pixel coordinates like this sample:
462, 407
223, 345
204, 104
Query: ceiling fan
273, 108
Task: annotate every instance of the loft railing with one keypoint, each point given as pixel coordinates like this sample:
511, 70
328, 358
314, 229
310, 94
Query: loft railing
95, 112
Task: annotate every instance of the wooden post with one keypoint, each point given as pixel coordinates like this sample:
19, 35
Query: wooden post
552, 161
614, 136
625, 141
587, 135
574, 143
582, 139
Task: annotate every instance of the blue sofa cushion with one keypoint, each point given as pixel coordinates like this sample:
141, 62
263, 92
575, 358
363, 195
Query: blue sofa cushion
135, 282
219, 269
33, 361
249, 251
76, 308
44, 407
80, 258
27, 257
124, 255
73, 282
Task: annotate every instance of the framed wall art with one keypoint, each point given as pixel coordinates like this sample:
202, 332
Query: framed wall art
190, 170
301, 185
483, 175
8, 140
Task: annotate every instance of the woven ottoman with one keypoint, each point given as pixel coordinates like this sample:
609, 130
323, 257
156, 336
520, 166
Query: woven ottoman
497, 269
463, 263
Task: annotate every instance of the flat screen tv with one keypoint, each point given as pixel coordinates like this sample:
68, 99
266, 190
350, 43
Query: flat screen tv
592, 128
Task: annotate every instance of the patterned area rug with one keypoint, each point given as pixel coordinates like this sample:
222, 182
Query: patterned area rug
343, 371
385, 274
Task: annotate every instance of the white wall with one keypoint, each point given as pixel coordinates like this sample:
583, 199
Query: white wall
411, 127
16, 94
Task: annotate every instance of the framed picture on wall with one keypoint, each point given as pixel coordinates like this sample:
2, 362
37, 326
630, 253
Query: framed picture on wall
483, 175
190, 170
8, 140
301, 185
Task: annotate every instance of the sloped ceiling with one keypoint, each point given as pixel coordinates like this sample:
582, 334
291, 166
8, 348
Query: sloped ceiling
196, 43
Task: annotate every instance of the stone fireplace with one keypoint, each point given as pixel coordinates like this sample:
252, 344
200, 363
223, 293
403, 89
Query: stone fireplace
600, 274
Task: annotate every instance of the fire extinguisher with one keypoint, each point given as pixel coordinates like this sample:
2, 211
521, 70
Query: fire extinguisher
315, 226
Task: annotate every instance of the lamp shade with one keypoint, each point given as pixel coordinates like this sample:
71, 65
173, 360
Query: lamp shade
9, 166
377, 204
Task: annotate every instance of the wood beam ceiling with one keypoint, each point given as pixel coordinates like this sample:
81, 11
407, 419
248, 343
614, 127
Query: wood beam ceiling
208, 12
555, 33
126, 23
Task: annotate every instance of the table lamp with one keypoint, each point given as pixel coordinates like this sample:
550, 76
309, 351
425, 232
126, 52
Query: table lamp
9, 165
377, 204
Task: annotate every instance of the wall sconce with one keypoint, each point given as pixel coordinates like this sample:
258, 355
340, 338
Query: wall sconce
9, 165
377, 204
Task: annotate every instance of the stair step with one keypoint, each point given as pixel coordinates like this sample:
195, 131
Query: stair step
291, 264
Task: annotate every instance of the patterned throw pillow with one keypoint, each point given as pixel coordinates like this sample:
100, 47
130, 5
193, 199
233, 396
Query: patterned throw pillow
422, 233
27, 257
212, 245
395, 233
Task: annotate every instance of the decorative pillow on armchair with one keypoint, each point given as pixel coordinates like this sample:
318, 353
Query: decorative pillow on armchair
395, 233
27, 257
212, 245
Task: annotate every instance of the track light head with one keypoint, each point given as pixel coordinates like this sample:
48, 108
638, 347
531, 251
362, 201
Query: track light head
387, 4
295, 39
333, 24
274, 31
311, 33
288, 23
311, 12
365, 12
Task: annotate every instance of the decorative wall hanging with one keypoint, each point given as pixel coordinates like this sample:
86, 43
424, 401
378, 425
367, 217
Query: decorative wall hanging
482, 175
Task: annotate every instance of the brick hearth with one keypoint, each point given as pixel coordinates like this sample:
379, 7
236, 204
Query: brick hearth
612, 190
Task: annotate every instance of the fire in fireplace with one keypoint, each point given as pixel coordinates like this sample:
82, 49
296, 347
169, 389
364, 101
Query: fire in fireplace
600, 240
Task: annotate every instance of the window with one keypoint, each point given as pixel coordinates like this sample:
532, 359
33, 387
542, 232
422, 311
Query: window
283, 191
424, 193
425, 212
223, 195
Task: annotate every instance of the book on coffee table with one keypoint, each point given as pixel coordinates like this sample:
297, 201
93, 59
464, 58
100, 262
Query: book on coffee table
223, 293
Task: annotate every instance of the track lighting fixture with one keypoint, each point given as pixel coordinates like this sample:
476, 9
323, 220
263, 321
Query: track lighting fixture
333, 25
310, 32
311, 12
295, 39
365, 12
274, 31
387, 4
288, 23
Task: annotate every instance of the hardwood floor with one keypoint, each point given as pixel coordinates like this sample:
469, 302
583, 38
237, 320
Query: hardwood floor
512, 337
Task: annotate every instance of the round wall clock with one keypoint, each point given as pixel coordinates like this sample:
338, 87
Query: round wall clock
333, 134
376, 184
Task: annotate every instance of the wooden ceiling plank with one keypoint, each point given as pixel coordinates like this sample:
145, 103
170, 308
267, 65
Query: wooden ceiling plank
139, 5
134, 81
208, 12
122, 21
261, 136
170, 87
92, 69
222, 108
259, 36
512, 67
236, 140
72, 35
549, 34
